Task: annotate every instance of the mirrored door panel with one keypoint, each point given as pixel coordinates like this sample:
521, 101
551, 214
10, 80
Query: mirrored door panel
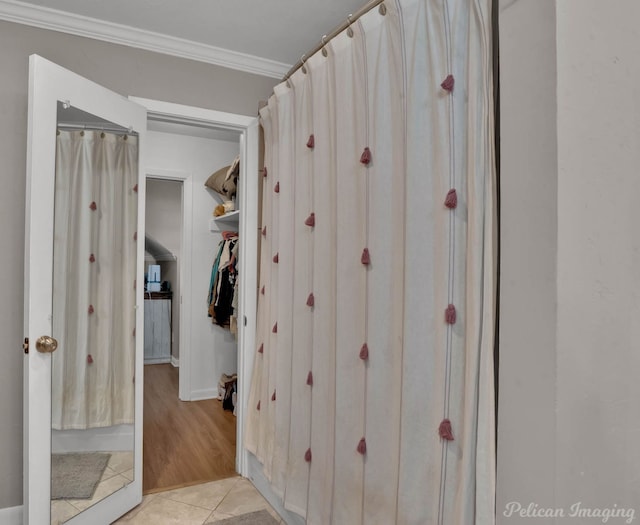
94, 316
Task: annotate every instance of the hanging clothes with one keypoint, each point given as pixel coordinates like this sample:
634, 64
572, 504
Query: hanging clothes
223, 282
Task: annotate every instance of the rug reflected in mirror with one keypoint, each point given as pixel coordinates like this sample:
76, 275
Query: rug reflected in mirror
76, 475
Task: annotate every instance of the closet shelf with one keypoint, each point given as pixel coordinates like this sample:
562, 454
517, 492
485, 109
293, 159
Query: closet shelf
232, 216
228, 221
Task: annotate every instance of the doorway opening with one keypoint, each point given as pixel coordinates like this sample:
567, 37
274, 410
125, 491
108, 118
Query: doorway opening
189, 438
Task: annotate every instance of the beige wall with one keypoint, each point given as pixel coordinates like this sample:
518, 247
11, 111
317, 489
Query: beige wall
569, 415
127, 71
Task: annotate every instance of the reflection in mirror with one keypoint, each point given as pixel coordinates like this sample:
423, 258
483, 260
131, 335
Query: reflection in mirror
94, 272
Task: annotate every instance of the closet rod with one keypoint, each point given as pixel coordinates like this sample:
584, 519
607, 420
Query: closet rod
335, 32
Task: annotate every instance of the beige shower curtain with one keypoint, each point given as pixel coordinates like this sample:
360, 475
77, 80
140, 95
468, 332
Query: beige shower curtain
95, 221
372, 395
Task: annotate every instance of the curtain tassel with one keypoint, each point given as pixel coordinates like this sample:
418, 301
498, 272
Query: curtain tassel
307, 455
364, 352
93, 206
450, 314
135, 236
362, 446
90, 359
311, 300
258, 406
445, 430
92, 258
365, 158
276, 258
135, 188
311, 143
310, 378
264, 231
275, 328
264, 172
311, 220
261, 349
277, 187
273, 397
90, 310
366, 257
448, 83
451, 201
262, 290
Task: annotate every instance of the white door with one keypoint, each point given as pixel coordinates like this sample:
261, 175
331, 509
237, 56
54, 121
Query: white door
52, 87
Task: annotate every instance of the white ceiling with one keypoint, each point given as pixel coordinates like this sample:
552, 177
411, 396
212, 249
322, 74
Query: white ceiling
280, 31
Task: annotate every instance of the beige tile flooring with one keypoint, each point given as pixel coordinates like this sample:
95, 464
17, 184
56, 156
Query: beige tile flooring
206, 503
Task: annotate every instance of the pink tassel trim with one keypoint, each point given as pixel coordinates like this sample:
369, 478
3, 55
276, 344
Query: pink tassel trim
311, 220
273, 397
366, 257
275, 328
311, 143
362, 447
264, 231
261, 349
134, 332
447, 83
90, 309
364, 352
307, 455
135, 236
258, 406
92, 258
451, 201
262, 290
93, 206
135, 284
450, 314
90, 359
445, 430
310, 378
264, 172
276, 258
365, 158
277, 187
311, 300
135, 188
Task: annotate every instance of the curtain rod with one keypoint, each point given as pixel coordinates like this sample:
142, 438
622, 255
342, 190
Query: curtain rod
82, 127
335, 32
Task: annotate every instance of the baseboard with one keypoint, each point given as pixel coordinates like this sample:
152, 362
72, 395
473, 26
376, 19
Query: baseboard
157, 360
207, 393
175, 362
11, 516
106, 439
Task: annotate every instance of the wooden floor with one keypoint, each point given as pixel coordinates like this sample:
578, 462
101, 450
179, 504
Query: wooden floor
185, 443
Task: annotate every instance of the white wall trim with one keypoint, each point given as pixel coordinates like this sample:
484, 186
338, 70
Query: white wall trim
207, 393
11, 515
175, 362
56, 20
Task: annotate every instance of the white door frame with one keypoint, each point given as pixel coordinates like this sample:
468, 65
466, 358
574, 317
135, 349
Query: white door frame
184, 343
247, 127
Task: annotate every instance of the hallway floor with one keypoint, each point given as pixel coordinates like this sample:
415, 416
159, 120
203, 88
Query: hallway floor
199, 504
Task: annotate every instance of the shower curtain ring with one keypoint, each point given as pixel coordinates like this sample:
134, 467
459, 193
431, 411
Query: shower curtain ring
349, 29
303, 67
325, 53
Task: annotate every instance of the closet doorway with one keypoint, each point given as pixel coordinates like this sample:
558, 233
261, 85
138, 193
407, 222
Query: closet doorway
188, 437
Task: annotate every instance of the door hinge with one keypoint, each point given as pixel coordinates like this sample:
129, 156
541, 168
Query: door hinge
25, 345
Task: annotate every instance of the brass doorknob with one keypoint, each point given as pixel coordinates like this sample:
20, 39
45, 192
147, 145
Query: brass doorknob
46, 344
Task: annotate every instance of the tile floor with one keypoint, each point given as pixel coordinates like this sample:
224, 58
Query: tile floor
200, 504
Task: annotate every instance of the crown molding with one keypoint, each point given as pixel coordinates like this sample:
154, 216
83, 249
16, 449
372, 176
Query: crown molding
55, 20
